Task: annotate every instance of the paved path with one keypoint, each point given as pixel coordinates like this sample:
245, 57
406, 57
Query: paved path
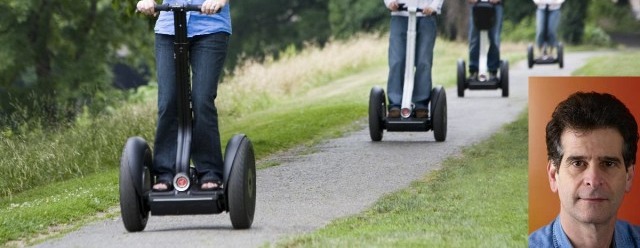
341, 177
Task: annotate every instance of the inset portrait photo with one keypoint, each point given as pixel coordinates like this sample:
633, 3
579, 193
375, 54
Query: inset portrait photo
584, 187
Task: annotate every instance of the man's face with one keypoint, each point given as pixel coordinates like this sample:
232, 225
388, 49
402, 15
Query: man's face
591, 179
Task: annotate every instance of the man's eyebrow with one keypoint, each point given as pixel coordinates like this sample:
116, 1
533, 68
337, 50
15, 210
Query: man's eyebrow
610, 159
602, 158
576, 157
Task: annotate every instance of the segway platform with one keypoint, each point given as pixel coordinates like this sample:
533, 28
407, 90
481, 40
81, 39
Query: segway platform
436, 121
408, 125
546, 59
190, 202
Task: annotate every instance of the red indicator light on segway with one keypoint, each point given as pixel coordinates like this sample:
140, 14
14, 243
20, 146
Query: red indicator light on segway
182, 182
405, 112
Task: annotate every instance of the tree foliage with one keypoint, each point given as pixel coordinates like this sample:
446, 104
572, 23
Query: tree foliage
572, 22
349, 17
263, 28
56, 54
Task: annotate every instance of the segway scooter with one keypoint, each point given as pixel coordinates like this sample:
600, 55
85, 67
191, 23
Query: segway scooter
484, 15
546, 57
407, 122
238, 192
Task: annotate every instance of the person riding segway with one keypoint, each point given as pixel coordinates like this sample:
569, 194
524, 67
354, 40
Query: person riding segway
413, 104
191, 189
547, 21
484, 51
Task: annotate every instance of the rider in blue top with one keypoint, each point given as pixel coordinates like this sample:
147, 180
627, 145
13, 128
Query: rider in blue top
198, 23
208, 35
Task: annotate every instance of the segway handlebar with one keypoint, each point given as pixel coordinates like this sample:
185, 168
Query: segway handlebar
169, 7
403, 7
186, 7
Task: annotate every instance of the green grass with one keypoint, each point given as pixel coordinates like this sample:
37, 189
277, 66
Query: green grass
618, 64
307, 125
476, 200
37, 158
58, 207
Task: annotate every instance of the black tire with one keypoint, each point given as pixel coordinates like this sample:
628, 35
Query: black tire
377, 113
560, 55
504, 78
439, 113
241, 184
530, 56
462, 77
135, 183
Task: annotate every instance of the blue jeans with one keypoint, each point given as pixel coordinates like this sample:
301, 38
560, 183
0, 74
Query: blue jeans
425, 41
552, 27
493, 56
207, 55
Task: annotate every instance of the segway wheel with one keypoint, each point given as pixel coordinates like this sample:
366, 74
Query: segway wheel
135, 183
560, 55
439, 113
377, 113
530, 56
462, 77
504, 77
241, 181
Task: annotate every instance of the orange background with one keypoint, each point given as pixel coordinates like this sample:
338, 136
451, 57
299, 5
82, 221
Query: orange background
544, 94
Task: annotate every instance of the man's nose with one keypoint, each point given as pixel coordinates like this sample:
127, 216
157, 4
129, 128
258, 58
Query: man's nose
593, 176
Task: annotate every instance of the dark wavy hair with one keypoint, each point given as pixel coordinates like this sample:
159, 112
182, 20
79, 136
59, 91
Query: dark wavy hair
590, 111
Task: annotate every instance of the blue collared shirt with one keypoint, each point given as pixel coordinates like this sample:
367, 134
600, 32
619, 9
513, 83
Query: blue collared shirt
552, 235
197, 23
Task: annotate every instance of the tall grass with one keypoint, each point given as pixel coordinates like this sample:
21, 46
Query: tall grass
40, 157
37, 157
619, 64
257, 86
